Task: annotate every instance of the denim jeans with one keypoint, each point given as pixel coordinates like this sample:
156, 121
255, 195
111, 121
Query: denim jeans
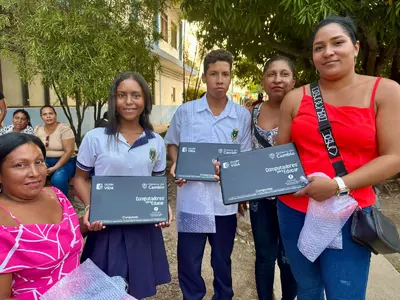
343, 274
269, 248
61, 176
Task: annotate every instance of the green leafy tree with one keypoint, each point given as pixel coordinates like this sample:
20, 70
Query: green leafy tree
259, 29
78, 46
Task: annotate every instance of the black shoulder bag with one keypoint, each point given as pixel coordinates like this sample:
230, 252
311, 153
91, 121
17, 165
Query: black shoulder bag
254, 116
373, 229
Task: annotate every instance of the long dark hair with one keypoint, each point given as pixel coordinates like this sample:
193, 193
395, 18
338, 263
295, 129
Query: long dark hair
27, 116
10, 141
113, 117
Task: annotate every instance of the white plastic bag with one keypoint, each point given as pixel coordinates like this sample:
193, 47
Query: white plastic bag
196, 214
323, 224
88, 282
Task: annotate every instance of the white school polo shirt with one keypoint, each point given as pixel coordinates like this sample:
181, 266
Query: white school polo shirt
146, 157
194, 122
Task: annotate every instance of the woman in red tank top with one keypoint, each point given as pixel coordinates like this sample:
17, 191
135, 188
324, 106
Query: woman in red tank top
363, 112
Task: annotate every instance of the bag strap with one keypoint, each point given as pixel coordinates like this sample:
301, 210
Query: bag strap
325, 128
254, 116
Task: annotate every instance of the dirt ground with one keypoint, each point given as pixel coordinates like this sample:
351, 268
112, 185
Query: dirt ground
242, 261
390, 206
243, 254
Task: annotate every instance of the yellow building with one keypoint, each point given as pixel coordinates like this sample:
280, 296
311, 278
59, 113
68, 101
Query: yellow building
167, 88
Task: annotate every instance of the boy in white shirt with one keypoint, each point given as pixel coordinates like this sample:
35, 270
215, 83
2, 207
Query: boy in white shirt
210, 119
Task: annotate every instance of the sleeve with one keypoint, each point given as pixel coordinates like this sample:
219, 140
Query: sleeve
161, 162
1, 96
86, 154
66, 132
2, 131
174, 130
245, 143
28, 130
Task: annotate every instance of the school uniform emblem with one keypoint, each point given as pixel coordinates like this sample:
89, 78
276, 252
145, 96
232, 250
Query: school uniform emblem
152, 154
234, 134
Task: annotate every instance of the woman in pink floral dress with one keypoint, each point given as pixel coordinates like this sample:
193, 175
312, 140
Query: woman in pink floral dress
39, 230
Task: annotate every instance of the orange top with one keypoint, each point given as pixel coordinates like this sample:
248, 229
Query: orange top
355, 135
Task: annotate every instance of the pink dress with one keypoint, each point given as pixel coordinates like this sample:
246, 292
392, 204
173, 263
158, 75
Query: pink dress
39, 255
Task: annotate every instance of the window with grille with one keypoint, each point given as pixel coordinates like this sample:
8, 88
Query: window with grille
164, 26
174, 35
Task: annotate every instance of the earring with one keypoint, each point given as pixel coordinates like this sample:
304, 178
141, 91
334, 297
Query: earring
1, 187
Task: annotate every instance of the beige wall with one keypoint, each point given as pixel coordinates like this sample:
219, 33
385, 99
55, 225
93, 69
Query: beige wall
168, 48
165, 82
12, 87
11, 83
36, 92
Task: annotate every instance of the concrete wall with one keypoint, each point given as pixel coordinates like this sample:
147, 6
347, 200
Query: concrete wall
165, 82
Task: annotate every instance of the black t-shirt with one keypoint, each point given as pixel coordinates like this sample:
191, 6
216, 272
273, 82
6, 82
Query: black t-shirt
1, 95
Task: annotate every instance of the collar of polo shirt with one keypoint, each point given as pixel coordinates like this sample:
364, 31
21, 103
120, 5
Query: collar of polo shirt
228, 111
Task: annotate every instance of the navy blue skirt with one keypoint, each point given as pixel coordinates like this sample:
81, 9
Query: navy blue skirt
134, 252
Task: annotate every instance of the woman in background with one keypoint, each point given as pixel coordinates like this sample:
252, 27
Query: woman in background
59, 140
21, 123
279, 78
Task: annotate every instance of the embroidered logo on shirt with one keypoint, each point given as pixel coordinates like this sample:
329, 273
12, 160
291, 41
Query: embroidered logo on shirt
234, 134
152, 154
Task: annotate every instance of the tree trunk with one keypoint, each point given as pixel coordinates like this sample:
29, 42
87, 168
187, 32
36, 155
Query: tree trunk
1, 79
65, 107
95, 112
198, 81
191, 71
371, 56
100, 105
395, 69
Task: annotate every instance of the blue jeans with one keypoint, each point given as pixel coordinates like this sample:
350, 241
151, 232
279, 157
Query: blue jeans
342, 273
61, 176
190, 258
269, 248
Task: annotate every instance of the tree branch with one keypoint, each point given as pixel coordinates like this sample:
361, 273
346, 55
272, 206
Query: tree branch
270, 41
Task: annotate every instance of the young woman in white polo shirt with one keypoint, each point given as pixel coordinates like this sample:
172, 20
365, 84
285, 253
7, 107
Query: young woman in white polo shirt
126, 147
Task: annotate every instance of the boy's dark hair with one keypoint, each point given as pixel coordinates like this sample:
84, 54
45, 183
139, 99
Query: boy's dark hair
278, 58
346, 23
218, 55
